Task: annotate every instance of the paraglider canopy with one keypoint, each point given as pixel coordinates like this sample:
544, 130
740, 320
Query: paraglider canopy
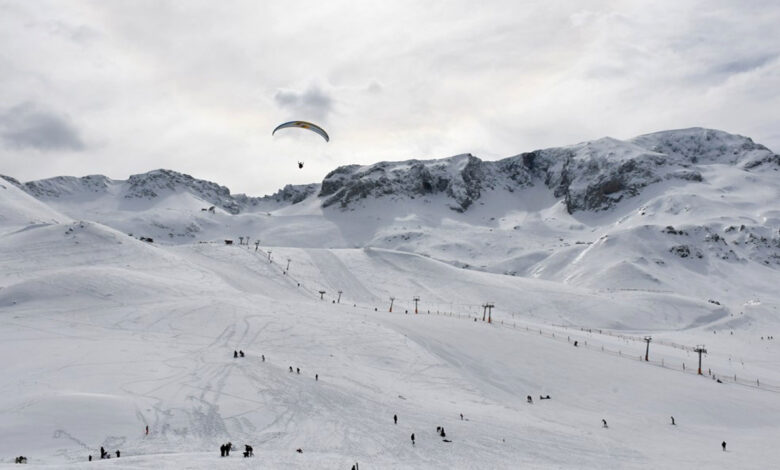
304, 125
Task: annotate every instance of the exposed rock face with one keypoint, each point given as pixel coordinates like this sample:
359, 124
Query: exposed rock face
158, 184
591, 176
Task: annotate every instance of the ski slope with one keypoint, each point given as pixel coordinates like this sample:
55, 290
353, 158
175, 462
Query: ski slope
105, 334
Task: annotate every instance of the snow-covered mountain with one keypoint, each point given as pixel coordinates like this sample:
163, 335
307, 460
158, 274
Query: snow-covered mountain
121, 306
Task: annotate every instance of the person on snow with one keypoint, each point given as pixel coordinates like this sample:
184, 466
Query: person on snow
299, 450
291, 369
228, 448
241, 353
529, 399
724, 444
222, 450
90, 457
442, 433
603, 423
575, 344
395, 419
672, 420
147, 430
248, 451
298, 370
102, 452
461, 416
117, 454
235, 353
263, 357
316, 377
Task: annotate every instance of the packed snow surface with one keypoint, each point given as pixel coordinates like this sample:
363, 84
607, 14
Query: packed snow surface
121, 307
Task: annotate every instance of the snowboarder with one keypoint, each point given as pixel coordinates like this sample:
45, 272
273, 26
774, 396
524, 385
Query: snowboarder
604, 423
673, 421
395, 419
241, 353
235, 353
723, 444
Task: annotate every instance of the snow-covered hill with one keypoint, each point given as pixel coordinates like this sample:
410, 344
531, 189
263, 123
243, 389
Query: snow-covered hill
121, 306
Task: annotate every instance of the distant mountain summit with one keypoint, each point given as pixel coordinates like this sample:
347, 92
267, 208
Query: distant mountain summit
590, 176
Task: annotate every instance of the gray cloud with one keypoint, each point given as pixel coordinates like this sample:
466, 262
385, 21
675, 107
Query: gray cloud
25, 126
313, 103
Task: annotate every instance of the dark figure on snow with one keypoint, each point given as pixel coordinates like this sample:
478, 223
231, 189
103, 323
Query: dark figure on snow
672, 420
575, 344
298, 370
117, 454
461, 416
529, 399
544, 397
102, 452
300, 165
263, 356
438, 428
228, 448
147, 430
241, 353
395, 419
235, 353
248, 451
413, 439
291, 369
442, 433
317, 377
603, 423
90, 457
723, 444
222, 450
299, 450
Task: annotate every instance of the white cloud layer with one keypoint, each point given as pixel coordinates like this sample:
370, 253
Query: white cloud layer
125, 87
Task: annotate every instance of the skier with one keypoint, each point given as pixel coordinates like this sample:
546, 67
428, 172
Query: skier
529, 399
604, 423
395, 419
147, 429
442, 433
102, 452
117, 454
575, 344
672, 420
298, 370
90, 457
724, 446
235, 353
317, 377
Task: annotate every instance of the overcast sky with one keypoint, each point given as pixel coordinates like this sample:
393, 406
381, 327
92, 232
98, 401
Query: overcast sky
124, 87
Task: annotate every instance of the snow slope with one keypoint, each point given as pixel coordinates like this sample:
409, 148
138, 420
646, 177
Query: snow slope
105, 333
